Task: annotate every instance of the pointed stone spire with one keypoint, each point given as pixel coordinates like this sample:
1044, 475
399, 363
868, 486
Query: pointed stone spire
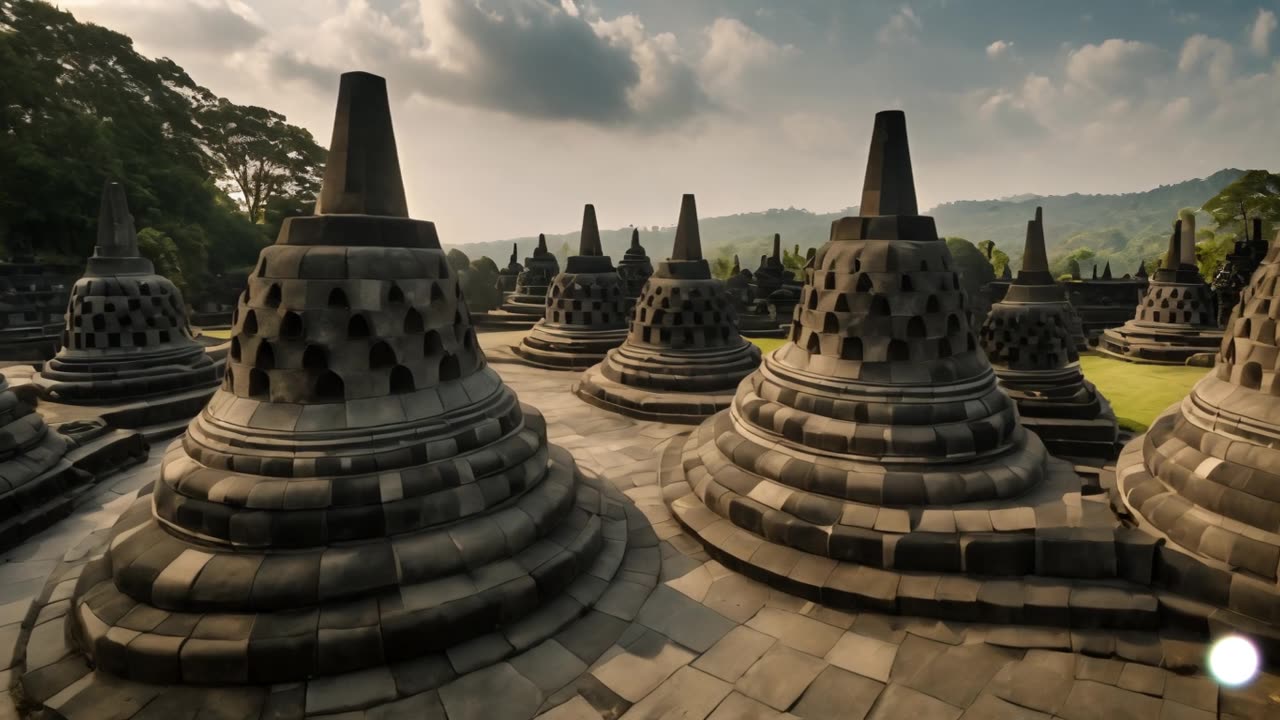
514, 253
635, 239
777, 247
116, 234
362, 174
1142, 270
889, 188
1188, 239
1173, 258
688, 245
1106, 271
1257, 230
589, 241
737, 267
542, 244
1006, 274
1035, 261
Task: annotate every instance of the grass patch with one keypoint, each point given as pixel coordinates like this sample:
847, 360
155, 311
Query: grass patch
1138, 393
221, 334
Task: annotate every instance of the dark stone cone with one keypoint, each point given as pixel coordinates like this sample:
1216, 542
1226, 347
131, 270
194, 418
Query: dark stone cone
683, 356
363, 489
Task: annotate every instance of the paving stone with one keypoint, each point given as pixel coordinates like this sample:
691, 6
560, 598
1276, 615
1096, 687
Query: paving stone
736, 597
888, 628
1091, 700
958, 675
1170, 710
591, 635
865, 656
577, 708
637, 670
423, 706
914, 653
352, 691
796, 631
740, 707
1104, 670
838, 693
735, 653
898, 702
1197, 691
780, 676
990, 707
675, 615
548, 665
689, 694
1032, 686
1142, 678
497, 691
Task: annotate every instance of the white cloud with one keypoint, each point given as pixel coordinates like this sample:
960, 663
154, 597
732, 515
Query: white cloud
1216, 55
211, 26
999, 48
1114, 65
733, 49
903, 26
569, 7
1260, 32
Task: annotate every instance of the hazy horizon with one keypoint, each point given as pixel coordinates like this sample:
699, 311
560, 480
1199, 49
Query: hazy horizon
510, 114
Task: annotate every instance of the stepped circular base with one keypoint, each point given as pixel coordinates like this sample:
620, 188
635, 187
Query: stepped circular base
667, 385
567, 347
531, 305
97, 380
1158, 344
1065, 411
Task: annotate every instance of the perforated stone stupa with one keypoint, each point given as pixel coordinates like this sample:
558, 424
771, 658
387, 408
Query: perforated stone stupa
530, 294
1206, 475
873, 461
1028, 340
1175, 318
634, 268
509, 275
683, 357
363, 489
587, 309
127, 340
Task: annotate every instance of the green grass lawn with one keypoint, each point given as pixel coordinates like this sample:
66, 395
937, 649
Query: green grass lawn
1138, 393
223, 334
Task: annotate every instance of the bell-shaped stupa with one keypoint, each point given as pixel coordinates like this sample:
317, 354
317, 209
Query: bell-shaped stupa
683, 357
530, 294
1028, 339
877, 439
363, 489
127, 339
509, 275
1175, 318
586, 313
1206, 475
634, 268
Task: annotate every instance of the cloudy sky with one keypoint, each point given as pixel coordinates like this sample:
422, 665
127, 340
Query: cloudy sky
510, 114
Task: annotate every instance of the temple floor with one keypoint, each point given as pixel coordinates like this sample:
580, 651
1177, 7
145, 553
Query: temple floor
676, 634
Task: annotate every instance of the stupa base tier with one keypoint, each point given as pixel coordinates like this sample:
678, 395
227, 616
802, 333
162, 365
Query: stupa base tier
1166, 345
762, 326
1095, 439
688, 408
510, 604
155, 419
96, 381
532, 306
567, 348
504, 320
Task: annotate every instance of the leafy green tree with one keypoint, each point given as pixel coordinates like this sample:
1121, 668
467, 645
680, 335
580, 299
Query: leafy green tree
162, 251
721, 267
480, 284
261, 157
562, 255
1069, 264
794, 261
1254, 194
1211, 251
998, 258
458, 260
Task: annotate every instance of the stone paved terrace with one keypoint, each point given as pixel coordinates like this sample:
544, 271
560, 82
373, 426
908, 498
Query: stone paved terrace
675, 635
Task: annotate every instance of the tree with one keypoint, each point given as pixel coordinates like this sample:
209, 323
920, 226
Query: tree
1254, 194
260, 156
721, 267
998, 258
1211, 251
1069, 264
975, 272
480, 285
562, 255
794, 261
458, 260
162, 251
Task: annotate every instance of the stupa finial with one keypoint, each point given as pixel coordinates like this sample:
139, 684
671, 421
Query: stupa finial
1034, 258
589, 241
889, 187
116, 234
1173, 258
362, 173
688, 245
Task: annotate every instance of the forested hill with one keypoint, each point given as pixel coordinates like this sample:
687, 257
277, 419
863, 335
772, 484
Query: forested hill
1122, 228
208, 181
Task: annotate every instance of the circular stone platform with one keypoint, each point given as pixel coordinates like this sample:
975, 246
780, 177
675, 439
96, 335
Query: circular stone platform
533, 282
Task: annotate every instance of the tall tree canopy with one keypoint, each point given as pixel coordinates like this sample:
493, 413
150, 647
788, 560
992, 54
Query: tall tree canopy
78, 105
1254, 194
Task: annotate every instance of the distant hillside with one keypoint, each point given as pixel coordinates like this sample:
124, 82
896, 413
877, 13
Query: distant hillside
1123, 228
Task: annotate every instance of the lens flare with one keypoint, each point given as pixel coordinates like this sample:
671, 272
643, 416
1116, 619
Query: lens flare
1233, 661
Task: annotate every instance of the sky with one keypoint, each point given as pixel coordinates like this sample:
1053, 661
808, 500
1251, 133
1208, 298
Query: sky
510, 114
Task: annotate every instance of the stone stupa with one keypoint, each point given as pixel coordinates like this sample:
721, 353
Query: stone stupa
1205, 476
362, 494
873, 461
33, 298
1175, 318
530, 294
586, 314
1028, 339
683, 357
634, 268
127, 342
508, 275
